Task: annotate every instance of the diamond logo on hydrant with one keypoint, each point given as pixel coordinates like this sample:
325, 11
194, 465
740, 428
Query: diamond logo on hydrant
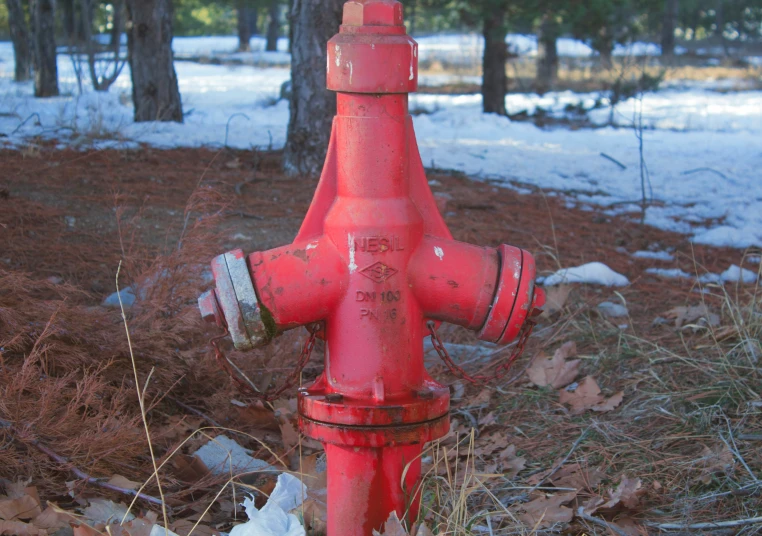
378, 272
374, 407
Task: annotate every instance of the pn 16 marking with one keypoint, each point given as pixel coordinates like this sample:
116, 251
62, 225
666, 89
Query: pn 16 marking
379, 314
388, 296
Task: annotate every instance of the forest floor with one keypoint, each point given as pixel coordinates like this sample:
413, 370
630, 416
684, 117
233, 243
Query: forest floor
646, 420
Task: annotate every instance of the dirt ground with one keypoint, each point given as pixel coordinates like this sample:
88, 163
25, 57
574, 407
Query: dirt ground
671, 440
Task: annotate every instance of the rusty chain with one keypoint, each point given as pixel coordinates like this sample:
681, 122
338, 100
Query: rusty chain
271, 394
502, 368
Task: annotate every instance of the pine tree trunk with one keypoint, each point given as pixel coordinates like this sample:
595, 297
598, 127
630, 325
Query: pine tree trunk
314, 22
244, 25
117, 22
668, 27
547, 54
149, 43
69, 16
273, 28
719, 18
22, 43
603, 44
494, 79
46, 69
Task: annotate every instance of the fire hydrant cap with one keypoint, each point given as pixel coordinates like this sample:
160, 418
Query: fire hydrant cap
373, 13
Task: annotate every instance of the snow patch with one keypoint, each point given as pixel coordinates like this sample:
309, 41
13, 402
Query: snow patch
736, 274
595, 273
655, 255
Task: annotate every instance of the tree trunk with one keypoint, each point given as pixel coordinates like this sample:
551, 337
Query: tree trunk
312, 106
273, 28
22, 45
603, 44
494, 79
69, 16
668, 27
117, 23
719, 20
547, 53
244, 25
149, 45
46, 69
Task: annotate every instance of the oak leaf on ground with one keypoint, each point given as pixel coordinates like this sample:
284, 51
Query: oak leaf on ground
557, 371
716, 460
392, 527
587, 396
546, 510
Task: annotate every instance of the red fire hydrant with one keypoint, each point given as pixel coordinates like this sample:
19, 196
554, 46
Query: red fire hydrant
372, 263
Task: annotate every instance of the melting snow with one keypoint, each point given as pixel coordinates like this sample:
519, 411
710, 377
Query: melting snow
595, 273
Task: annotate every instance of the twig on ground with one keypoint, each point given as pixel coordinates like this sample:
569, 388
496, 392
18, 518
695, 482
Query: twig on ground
707, 526
710, 170
79, 473
614, 160
39, 122
561, 463
600, 522
195, 411
749, 437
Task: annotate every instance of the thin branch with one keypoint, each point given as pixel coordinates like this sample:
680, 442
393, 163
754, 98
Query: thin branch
710, 170
600, 522
614, 160
707, 526
561, 463
79, 473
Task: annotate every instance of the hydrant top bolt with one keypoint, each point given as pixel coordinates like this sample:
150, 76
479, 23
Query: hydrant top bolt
373, 13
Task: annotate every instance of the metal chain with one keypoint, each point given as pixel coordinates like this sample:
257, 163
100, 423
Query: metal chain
245, 384
502, 368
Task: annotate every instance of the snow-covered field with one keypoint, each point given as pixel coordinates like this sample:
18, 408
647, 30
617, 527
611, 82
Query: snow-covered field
703, 149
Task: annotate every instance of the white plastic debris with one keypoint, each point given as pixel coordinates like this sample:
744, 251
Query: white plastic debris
223, 455
596, 273
273, 519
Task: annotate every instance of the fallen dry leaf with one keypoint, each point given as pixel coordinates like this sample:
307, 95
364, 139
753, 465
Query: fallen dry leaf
488, 443
510, 463
575, 476
555, 299
22, 508
694, 314
558, 371
392, 527
50, 520
123, 482
183, 527
627, 493
713, 461
587, 396
17, 528
423, 530
545, 511
189, 469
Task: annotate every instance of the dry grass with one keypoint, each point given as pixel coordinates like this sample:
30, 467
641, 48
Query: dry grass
691, 394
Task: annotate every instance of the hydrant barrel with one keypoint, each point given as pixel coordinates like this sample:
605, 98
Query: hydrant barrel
373, 263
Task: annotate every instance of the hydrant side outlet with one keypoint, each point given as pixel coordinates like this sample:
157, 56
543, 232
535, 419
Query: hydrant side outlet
373, 262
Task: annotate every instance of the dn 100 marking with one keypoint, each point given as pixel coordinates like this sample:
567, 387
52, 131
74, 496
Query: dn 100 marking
388, 296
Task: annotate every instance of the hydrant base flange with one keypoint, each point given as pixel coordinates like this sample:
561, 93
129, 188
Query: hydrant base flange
375, 436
